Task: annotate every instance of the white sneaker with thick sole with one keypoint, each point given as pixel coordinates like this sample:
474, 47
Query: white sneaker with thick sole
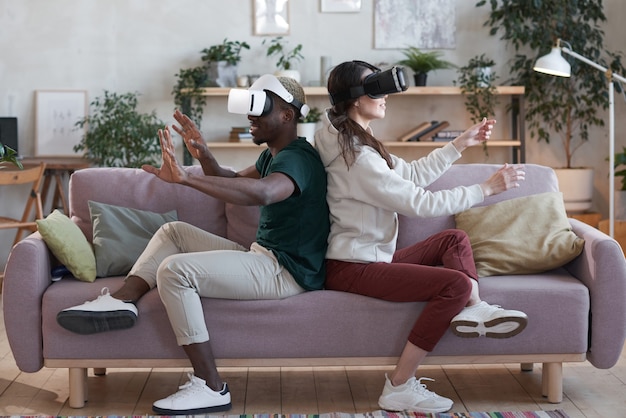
194, 398
103, 314
489, 320
412, 396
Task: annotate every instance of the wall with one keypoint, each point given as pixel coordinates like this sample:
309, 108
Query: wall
139, 45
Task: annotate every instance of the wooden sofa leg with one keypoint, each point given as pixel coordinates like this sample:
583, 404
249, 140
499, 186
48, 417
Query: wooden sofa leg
78, 386
552, 382
99, 371
526, 367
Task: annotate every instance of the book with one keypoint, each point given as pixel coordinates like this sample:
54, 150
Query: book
415, 131
446, 135
428, 133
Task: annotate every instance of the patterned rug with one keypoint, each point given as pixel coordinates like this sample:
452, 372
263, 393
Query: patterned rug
558, 413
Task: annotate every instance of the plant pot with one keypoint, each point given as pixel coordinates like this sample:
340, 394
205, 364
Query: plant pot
295, 74
307, 130
484, 75
420, 79
222, 74
576, 184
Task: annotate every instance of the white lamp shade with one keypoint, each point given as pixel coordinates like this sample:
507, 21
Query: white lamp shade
553, 64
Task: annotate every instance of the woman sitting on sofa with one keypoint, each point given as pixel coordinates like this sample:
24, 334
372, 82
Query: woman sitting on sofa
367, 189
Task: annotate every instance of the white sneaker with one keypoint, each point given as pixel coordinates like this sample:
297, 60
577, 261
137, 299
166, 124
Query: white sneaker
193, 398
488, 320
412, 396
103, 314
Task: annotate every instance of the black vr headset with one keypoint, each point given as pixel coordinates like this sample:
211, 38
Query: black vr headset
375, 85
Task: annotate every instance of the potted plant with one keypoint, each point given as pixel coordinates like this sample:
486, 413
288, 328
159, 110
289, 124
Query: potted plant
477, 83
8, 155
308, 124
222, 60
287, 58
423, 62
558, 107
117, 135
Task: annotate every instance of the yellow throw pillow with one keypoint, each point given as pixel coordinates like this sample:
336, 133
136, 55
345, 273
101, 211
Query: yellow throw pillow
525, 235
69, 245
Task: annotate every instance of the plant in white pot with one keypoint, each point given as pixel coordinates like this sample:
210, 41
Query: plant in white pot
287, 58
554, 106
308, 124
222, 60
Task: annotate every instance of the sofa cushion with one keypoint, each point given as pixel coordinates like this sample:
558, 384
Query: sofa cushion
121, 234
69, 245
525, 235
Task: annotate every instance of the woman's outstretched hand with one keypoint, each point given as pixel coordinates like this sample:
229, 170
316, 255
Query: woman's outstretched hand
507, 177
475, 135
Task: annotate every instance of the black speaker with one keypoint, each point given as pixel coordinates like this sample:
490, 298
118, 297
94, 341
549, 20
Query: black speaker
8, 132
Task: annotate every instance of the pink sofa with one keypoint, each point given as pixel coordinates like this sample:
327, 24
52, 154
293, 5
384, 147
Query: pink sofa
576, 313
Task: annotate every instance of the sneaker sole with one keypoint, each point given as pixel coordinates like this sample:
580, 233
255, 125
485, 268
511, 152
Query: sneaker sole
392, 407
89, 322
197, 411
520, 324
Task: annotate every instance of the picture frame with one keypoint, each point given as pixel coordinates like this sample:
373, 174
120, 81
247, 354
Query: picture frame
56, 114
340, 6
271, 17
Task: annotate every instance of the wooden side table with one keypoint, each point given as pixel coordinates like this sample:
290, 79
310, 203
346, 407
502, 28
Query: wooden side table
590, 218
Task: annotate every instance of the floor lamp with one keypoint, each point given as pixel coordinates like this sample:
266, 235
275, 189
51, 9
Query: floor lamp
554, 64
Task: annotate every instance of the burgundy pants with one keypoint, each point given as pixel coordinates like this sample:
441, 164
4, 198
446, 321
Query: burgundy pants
436, 270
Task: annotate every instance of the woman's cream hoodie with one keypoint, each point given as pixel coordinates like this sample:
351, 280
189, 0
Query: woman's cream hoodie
365, 199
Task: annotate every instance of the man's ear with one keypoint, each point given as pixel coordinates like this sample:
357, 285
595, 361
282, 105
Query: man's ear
289, 114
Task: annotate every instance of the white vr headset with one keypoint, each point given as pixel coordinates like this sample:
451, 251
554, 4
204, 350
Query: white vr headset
256, 102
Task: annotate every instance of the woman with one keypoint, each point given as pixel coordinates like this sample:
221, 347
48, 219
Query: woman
367, 189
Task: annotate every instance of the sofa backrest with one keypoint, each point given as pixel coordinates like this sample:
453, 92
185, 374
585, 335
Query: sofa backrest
137, 189
134, 188
539, 179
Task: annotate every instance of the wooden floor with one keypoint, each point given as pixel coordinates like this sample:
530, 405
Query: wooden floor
588, 392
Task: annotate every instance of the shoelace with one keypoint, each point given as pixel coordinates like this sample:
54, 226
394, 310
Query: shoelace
103, 292
421, 388
191, 386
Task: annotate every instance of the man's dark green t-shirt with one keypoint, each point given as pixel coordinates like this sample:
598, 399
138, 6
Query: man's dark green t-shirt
296, 229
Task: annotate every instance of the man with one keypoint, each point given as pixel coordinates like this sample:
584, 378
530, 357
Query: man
186, 263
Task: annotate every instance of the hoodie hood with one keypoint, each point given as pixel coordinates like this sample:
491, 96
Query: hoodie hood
326, 141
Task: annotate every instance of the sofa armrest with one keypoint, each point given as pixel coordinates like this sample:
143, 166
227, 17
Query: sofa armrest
27, 276
602, 268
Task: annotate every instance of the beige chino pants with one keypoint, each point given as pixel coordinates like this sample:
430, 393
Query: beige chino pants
185, 263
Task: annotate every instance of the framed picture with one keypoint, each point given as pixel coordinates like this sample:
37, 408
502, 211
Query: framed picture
340, 6
427, 24
56, 114
271, 17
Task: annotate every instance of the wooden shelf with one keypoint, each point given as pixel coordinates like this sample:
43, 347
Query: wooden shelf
388, 144
411, 91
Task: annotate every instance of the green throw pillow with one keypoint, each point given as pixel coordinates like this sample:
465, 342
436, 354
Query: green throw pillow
525, 235
121, 234
69, 245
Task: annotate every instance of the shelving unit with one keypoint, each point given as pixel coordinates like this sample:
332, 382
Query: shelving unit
516, 141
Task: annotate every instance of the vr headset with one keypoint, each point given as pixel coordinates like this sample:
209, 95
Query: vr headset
255, 101
375, 85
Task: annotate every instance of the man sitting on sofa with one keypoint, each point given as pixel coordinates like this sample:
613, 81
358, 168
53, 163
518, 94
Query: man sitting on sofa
186, 263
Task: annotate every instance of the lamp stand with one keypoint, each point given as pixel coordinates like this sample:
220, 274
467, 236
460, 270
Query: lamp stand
610, 76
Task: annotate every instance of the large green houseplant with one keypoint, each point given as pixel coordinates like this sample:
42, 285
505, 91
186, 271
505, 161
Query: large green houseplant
421, 63
117, 134
567, 107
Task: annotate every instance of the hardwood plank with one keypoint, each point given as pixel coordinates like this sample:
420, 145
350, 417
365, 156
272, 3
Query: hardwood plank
263, 391
333, 390
298, 391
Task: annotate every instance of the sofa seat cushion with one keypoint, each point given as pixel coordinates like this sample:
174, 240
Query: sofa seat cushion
325, 323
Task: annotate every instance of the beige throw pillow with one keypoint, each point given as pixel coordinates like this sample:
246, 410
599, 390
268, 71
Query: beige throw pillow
525, 235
